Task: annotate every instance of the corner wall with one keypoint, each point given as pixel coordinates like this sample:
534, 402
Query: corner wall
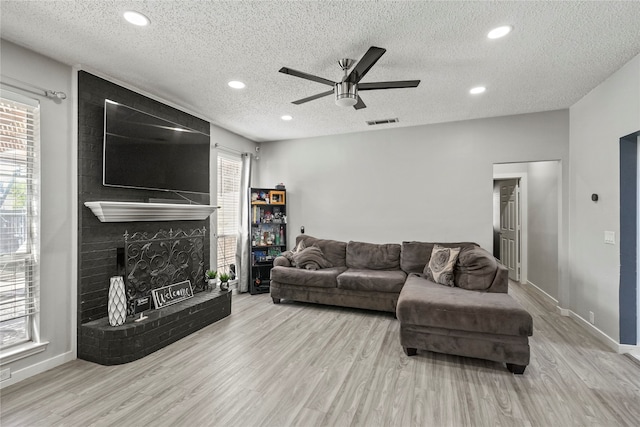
598, 121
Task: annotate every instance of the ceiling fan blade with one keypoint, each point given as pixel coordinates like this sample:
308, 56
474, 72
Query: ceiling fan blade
359, 104
311, 98
302, 75
388, 85
365, 63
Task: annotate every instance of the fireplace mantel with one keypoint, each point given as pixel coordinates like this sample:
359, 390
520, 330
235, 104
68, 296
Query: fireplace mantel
111, 211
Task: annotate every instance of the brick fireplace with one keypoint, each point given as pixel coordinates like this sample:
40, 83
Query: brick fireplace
100, 242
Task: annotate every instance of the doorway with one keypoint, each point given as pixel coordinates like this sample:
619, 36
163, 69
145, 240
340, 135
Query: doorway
509, 226
527, 221
629, 294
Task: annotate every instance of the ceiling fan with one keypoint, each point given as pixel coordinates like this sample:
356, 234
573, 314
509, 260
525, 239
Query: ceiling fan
346, 90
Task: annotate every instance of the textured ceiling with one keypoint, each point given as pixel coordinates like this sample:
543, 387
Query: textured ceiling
556, 54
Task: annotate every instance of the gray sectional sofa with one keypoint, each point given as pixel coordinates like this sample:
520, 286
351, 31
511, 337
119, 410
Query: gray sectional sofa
475, 317
362, 275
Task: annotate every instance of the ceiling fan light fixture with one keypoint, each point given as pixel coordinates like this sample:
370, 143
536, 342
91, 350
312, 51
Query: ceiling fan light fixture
346, 94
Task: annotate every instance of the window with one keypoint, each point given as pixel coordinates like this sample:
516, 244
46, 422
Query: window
19, 219
229, 213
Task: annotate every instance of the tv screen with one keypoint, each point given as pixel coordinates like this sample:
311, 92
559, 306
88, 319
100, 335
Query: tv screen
144, 151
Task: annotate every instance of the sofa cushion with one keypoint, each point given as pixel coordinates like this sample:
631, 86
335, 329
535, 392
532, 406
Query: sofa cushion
333, 250
373, 256
323, 278
415, 255
425, 303
372, 280
441, 265
476, 269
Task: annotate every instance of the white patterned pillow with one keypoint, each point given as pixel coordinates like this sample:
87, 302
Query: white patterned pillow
299, 247
440, 266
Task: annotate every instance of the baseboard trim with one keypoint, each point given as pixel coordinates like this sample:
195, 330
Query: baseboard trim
628, 348
542, 293
598, 334
592, 329
634, 356
38, 368
601, 336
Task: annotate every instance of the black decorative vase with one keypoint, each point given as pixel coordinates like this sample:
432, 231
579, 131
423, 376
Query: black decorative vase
224, 286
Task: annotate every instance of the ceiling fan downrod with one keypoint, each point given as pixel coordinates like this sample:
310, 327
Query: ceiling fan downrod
346, 92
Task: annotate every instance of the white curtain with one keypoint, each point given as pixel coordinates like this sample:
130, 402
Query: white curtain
243, 253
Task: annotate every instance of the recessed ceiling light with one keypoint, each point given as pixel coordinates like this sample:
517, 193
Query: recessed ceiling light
477, 90
136, 18
286, 117
236, 84
496, 33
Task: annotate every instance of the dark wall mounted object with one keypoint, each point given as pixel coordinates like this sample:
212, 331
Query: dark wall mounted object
594, 197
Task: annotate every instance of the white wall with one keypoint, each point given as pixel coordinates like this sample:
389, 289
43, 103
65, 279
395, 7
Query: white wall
429, 183
58, 213
598, 121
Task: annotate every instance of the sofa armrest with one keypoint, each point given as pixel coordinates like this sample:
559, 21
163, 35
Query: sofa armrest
281, 261
501, 281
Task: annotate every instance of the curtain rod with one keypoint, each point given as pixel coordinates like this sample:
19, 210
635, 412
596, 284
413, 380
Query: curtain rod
232, 150
19, 84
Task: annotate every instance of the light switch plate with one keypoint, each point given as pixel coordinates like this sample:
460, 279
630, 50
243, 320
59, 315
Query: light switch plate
610, 237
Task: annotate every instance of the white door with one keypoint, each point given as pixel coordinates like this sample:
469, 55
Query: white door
510, 227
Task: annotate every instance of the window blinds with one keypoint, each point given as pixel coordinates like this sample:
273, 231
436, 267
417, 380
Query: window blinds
19, 184
229, 212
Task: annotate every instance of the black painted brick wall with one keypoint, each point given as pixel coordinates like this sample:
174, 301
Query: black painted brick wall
109, 345
97, 241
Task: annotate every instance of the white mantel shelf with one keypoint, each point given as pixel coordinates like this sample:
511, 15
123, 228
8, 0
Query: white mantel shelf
109, 211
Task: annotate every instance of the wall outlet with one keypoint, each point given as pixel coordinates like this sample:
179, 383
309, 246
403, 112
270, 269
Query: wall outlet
592, 318
5, 374
610, 237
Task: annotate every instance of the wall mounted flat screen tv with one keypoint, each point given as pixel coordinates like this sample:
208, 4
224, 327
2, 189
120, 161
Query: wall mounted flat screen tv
144, 151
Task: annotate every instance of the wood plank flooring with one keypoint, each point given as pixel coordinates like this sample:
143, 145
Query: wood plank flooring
298, 364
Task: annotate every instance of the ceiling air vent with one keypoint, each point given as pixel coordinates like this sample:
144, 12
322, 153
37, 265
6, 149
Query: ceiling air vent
382, 122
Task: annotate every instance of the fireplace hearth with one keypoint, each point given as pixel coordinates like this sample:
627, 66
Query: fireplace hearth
152, 262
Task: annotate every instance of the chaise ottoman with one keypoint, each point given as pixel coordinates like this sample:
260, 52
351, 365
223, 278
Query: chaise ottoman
452, 320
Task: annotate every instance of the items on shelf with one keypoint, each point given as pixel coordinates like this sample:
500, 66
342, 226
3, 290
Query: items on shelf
268, 231
268, 215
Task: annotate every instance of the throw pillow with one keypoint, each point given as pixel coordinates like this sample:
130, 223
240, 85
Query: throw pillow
440, 266
300, 246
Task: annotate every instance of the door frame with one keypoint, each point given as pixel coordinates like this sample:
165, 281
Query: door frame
524, 208
629, 240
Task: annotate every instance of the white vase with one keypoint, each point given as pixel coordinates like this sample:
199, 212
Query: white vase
117, 304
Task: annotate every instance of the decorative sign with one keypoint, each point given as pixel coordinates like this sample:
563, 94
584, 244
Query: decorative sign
141, 304
172, 294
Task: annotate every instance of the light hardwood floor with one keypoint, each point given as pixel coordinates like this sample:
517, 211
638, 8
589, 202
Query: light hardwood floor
310, 365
